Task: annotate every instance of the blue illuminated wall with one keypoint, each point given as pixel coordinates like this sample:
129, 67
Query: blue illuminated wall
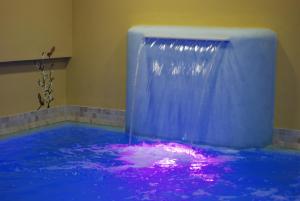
217, 91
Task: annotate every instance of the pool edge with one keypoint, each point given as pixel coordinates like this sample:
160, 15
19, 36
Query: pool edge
11, 125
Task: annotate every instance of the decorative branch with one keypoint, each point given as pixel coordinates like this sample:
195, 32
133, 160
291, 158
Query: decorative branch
45, 82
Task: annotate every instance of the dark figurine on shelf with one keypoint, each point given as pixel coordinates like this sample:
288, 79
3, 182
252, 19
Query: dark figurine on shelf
45, 82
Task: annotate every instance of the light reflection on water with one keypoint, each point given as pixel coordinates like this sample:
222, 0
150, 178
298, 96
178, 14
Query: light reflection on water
103, 166
169, 156
158, 157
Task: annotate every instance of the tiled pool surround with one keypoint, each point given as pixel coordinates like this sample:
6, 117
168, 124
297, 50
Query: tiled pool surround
44, 117
284, 138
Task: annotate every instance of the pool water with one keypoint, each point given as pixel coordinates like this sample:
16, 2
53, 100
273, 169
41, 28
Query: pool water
85, 163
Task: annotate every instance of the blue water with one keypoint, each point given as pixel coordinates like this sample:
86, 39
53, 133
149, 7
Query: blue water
86, 163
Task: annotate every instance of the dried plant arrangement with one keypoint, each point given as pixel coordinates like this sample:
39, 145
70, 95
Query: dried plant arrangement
45, 82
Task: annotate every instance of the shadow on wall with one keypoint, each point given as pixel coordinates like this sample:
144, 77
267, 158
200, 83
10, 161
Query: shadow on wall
28, 66
286, 101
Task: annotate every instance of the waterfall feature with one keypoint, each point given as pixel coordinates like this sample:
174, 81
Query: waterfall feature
213, 91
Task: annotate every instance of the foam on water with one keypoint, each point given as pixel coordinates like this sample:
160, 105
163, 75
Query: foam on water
74, 162
155, 156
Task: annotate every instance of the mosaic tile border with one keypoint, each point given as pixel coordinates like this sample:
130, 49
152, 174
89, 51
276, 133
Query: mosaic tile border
44, 117
283, 138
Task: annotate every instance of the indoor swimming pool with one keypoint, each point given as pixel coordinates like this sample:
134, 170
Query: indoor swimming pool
82, 162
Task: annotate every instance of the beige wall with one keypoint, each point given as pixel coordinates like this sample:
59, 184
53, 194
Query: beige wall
29, 27
32, 26
97, 74
18, 86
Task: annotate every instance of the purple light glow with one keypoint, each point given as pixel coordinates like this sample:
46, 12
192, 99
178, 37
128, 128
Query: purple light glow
180, 149
168, 156
166, 163
147, 159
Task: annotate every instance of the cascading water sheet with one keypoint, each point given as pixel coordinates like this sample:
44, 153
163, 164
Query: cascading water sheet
218, 92
175, 88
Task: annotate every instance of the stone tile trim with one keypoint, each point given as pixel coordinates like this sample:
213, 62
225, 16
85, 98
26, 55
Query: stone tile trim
286, 138
44, 117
